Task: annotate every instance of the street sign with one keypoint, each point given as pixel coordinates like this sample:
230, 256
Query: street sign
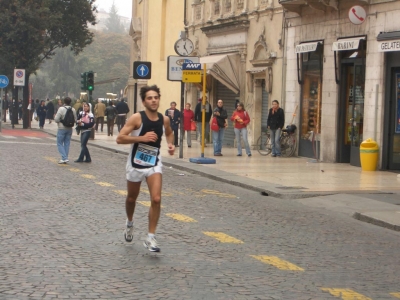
142, 70
191, 66
191, 76
19, 77
357, 15
3, 81
175, 65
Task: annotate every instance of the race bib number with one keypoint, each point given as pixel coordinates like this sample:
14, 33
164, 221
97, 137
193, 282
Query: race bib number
146, 155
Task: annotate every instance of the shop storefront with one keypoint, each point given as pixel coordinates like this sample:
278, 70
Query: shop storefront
389, 43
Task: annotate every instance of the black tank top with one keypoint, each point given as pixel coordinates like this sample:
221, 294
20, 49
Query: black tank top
145, 155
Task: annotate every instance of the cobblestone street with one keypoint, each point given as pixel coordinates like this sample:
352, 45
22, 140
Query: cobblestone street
61, 237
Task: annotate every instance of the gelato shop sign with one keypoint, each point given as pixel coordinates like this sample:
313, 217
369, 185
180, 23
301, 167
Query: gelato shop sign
387, 46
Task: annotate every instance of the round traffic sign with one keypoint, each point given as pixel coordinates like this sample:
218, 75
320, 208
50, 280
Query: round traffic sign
142, 70
19, 74
3, 81
357, 15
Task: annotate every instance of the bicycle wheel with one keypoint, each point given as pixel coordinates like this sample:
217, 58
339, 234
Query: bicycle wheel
264, 144
293, 144
285, 146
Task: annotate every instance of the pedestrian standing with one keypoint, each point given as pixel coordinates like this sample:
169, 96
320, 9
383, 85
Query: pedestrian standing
78, 106
222, 115
276, 121
59, 104
50, 111
198, 118
99, 110
41, 113
85, 123
122, 109
111, 113
175, 119
20, 109
144, 131
241, 119
4, 105
64, 132
188, 118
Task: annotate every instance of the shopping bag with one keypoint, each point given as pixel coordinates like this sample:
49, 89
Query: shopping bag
193, 126
214, 124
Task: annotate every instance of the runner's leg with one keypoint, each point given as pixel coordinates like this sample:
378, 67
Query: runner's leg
130, 203
154, 182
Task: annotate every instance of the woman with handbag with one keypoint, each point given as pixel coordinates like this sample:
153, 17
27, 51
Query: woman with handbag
241, 119
188, 120
85, 123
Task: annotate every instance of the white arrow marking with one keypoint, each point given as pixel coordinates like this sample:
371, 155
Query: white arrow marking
142, 69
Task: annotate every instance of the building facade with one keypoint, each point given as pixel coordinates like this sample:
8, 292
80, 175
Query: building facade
241, 43
343, 72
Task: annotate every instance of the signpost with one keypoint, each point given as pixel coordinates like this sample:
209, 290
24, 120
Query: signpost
141, 70
3, 84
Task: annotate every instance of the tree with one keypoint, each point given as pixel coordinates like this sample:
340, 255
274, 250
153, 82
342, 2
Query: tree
31, 31
113, 23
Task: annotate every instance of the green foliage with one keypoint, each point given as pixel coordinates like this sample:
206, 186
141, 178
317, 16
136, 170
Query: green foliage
113, 23
108, 56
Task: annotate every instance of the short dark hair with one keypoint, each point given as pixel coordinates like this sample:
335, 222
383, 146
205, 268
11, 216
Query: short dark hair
173, 102
276, 101
67, 100
146, 88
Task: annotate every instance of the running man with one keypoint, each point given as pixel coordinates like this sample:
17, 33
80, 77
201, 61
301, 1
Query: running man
144, 130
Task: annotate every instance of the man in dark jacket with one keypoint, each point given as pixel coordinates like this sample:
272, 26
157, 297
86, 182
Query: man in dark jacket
198, 118
276, 121
122, 109
218, 136
50, 111
175, 119
4, 105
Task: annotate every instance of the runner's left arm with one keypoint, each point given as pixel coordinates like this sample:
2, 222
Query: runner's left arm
169, 134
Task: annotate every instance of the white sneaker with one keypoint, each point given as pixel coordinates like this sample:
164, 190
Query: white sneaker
151, 244
67, 160
128, 234
61, 162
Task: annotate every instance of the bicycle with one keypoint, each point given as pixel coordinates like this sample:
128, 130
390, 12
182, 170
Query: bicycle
288, 142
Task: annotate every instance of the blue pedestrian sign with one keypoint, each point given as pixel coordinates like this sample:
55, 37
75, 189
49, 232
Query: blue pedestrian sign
3, 81
142, 70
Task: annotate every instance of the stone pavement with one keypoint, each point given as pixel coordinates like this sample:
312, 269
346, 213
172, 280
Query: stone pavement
61, 236
291, 178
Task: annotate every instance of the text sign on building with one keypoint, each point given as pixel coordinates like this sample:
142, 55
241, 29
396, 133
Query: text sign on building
142, 70
175, 66
387, 46
19, 77
344, 45
3, 81
191, 66
191, 76
357, 15
306, 47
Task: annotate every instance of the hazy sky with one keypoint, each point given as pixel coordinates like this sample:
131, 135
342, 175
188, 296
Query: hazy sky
124, 6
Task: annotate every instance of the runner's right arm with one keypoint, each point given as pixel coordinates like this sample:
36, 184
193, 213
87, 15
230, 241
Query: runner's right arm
133, 123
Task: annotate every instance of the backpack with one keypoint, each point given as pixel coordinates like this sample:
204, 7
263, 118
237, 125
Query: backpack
69, 119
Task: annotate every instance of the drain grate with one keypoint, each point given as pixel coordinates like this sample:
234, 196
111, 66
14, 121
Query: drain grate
291, 187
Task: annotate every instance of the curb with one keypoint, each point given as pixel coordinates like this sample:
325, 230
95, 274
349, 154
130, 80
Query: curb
373, 221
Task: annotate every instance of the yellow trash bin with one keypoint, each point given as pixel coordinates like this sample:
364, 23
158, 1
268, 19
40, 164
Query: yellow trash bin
369, 155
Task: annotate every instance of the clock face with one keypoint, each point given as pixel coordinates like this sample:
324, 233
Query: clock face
184, 47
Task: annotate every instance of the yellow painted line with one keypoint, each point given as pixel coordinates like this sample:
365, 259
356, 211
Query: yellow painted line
106, 184
277, 262
121, 192
345, 294
163, 194
88, 176
181, 218
396, 295
146, 203
223, 238
75, 170
52, 159
219, 194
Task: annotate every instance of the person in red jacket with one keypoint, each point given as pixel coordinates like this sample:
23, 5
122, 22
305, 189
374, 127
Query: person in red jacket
241, 119
188, 117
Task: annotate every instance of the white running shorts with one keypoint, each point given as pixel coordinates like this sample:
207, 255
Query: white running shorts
138, 175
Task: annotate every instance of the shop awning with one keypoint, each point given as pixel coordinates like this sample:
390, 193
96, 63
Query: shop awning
225, 69
347, 44
388, 41
308, 47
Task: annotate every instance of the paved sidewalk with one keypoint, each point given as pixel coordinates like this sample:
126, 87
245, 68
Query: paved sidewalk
292, 178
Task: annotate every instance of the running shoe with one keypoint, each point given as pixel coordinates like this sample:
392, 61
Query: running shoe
128, 234
61, 162
151, 244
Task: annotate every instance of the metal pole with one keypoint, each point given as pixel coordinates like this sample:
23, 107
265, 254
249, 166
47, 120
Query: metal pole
203, 110
376, 112
182, 108
135, 99
1, 107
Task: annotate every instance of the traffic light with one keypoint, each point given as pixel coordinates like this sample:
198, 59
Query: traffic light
90, 80
83, 81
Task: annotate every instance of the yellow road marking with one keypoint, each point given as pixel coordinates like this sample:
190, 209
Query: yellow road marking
397, 295
74, 170
182, 218
345, 294
219, 194
121, 192
277, 262
88, 176
52, 159
106, 184
146, 203
164, 194
223, 238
